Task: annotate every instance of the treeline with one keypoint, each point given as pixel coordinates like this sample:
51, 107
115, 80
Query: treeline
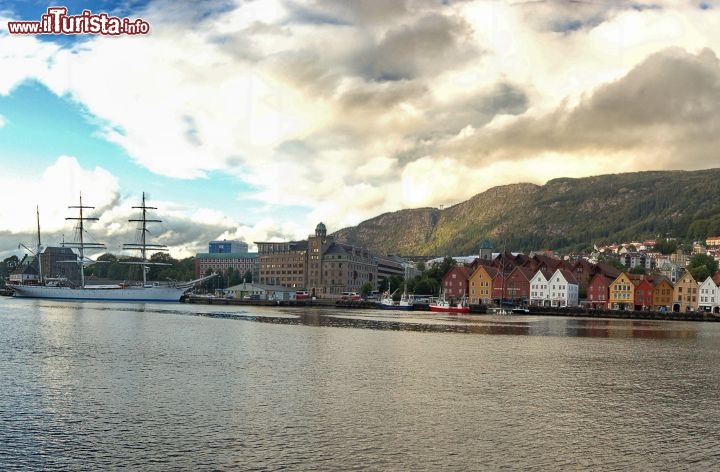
109, 266
427, 283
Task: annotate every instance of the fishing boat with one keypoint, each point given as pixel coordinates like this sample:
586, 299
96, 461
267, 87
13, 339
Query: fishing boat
443, 305
140, 292
387, 302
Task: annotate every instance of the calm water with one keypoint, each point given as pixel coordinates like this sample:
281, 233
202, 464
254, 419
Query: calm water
87, 386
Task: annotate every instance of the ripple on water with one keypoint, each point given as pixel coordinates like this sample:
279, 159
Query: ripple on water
174, 387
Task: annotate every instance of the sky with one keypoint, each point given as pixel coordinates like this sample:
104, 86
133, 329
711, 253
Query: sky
257, 119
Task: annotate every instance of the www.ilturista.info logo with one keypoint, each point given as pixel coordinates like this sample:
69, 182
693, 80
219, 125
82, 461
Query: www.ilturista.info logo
57, 21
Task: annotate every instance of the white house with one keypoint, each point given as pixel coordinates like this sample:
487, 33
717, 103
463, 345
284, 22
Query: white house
708, 300
563, 289
539, 293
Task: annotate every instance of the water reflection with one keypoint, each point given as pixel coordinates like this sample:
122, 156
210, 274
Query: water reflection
178, 387
403, 321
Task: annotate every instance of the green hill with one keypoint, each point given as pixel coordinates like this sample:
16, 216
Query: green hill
563, 214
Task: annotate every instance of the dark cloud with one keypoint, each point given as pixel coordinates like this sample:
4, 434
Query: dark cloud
343, 12
427, 47
668, 105
382, 95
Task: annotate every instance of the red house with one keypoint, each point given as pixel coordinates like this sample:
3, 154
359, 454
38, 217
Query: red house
455, 282
517, 285
644, 291
598, 291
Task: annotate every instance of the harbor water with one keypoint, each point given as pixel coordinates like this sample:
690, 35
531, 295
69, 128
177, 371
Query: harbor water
93, 386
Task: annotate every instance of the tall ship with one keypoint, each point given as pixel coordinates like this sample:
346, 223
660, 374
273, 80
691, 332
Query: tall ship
139, 292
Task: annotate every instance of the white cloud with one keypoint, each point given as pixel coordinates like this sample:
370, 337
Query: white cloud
344, 111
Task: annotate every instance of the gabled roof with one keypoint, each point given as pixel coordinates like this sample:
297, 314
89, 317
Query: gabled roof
463, 270
607, 269
608, 279
526, 272
658, 279
569, 276
25, 269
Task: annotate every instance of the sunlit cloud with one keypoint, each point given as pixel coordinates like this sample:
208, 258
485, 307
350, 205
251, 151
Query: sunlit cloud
351, 109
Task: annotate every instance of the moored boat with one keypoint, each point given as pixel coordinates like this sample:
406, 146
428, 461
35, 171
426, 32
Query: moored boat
443, 305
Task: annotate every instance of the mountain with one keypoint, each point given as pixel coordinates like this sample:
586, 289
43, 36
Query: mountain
563, 214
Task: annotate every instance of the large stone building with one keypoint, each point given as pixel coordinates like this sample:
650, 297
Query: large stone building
282, 263
220, 263
224, 255
320, 265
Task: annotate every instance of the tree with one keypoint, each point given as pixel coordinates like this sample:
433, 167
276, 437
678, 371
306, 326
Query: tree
366, 289
666, 247
8, 265
699, 273
233, 276
427, 286
702, 266
637, 270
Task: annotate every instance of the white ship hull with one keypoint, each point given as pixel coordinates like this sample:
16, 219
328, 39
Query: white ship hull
120, 294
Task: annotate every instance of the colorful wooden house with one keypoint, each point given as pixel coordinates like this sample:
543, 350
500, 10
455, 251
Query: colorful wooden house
644, 293
708, 296
455, 282
598, 291
517, 286
539, 293
663, 294
621, 293
563, 289
685, 294
481, 284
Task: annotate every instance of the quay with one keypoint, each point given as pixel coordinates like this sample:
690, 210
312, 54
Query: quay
474, 309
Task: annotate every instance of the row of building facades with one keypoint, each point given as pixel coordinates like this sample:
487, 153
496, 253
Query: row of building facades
540, 280
319, 265
327, 268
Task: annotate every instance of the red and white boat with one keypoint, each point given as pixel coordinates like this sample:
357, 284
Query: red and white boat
444, 305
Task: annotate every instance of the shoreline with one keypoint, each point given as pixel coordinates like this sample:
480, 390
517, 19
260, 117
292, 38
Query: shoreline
474, 309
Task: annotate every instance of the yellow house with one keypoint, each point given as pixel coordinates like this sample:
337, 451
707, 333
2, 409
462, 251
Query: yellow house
481, 284
663, 294
685, 294
622, 293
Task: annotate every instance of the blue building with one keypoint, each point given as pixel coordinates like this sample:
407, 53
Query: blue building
227, 247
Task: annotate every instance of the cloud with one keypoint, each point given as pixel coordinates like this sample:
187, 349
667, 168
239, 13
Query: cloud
352, 109
186, 230
664, 111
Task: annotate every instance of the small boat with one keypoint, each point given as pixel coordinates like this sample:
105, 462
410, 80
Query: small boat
444, 306
388, 303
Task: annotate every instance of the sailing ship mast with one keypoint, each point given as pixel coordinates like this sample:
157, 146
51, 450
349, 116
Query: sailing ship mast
81, 245
39, 247
143, 245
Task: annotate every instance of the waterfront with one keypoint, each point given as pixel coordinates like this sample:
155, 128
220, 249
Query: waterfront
87, 386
